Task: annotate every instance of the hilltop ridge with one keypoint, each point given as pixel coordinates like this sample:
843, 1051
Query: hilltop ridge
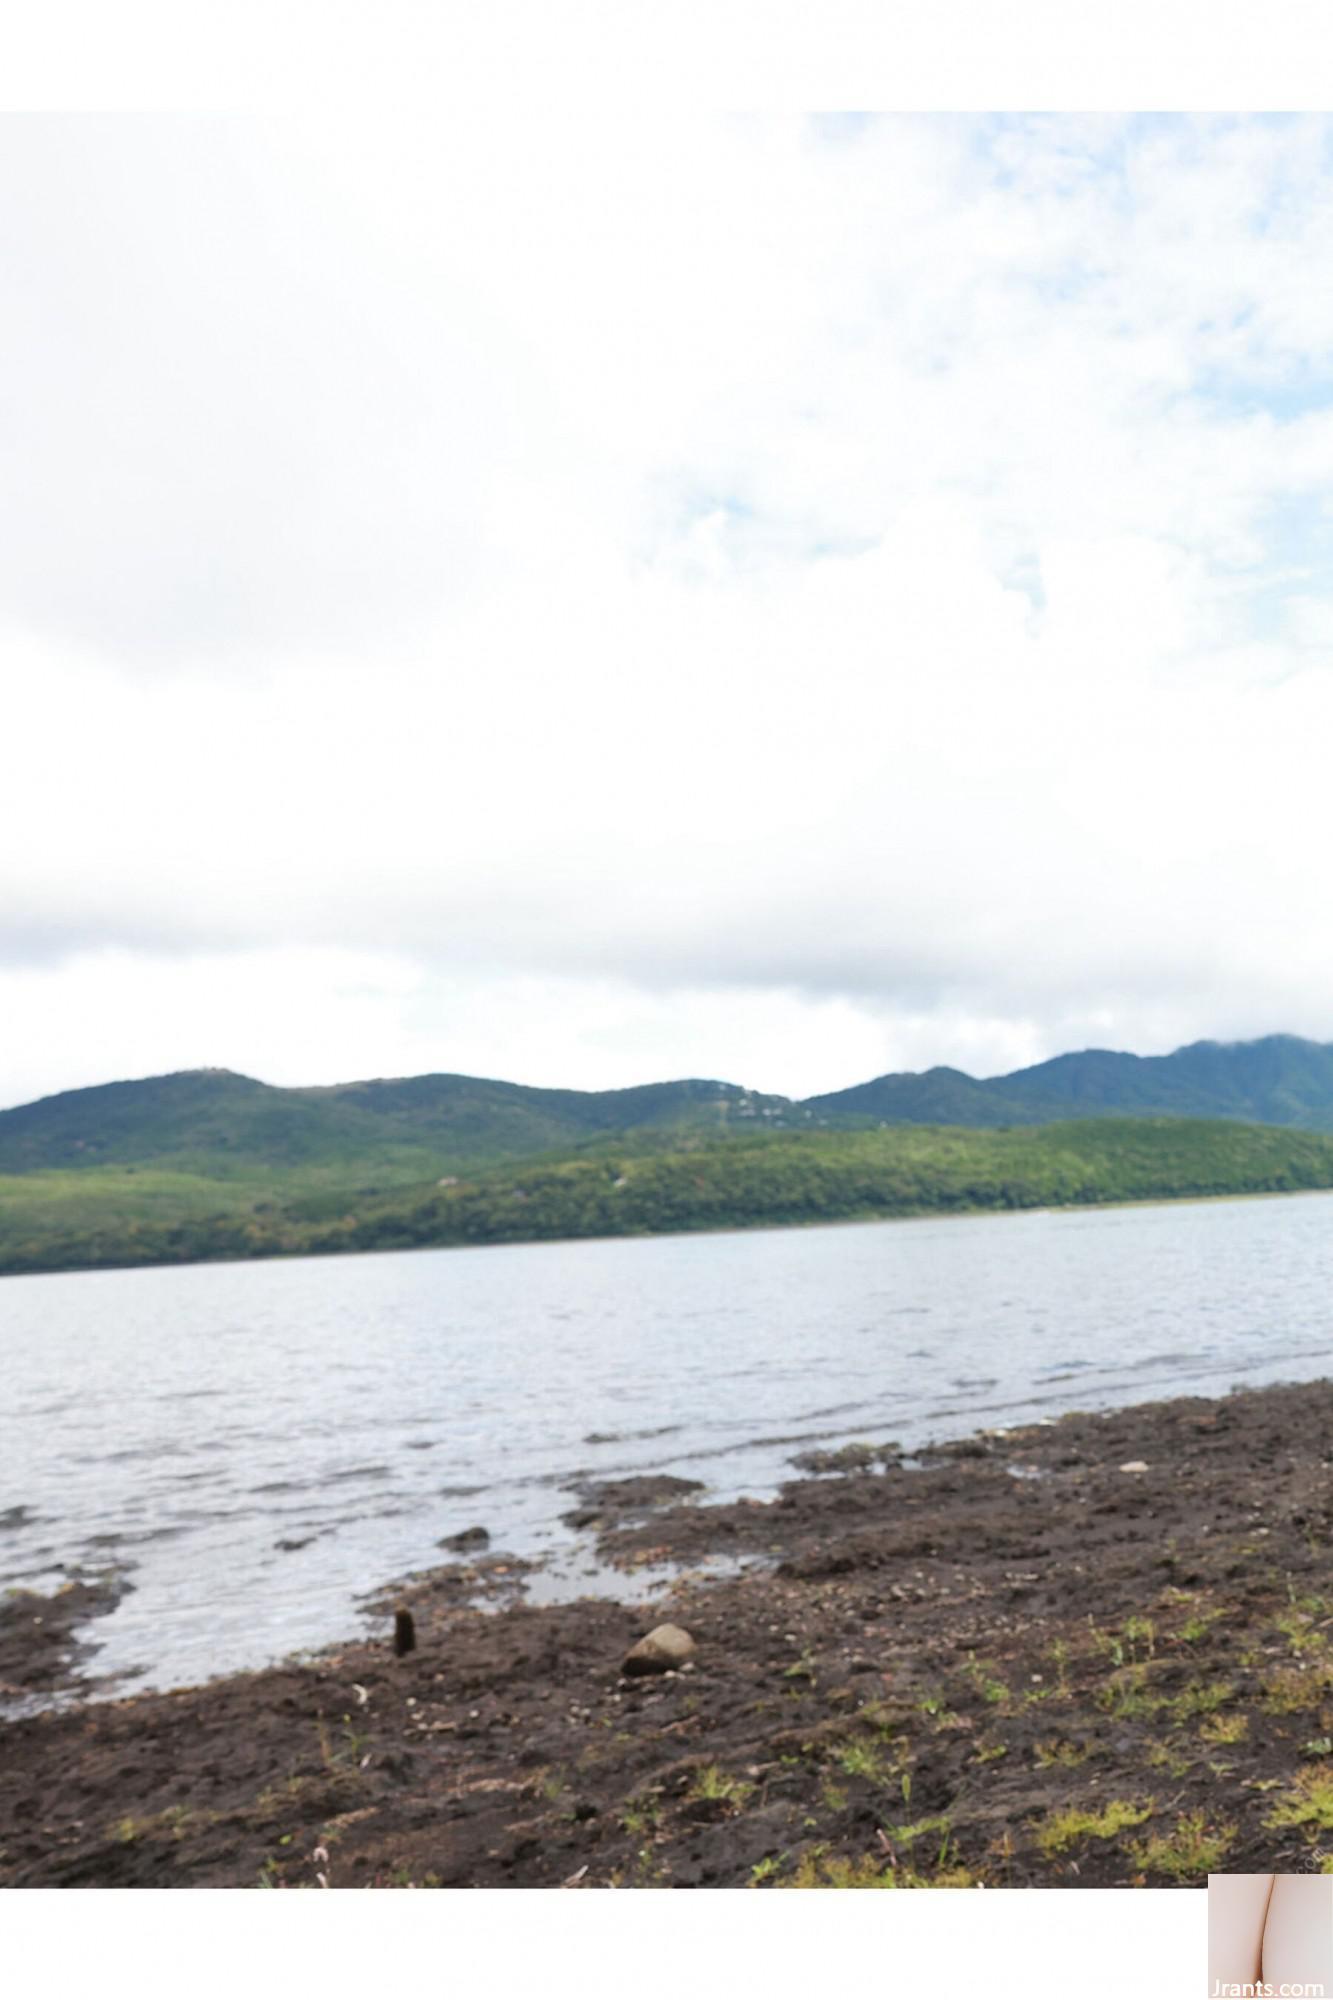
220, 1120
210, 1163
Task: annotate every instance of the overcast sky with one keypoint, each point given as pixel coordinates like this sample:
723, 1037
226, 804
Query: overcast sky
587, 602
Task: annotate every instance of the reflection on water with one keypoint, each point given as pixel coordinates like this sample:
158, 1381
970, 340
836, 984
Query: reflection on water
266, 1443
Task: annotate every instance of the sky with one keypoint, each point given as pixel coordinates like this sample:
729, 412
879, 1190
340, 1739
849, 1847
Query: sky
594, 598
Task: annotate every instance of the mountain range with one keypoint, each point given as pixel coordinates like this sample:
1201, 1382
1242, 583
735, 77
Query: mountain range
223, 1124
207, 1164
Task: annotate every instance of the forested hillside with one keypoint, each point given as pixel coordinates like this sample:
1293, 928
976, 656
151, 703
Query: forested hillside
658, 1184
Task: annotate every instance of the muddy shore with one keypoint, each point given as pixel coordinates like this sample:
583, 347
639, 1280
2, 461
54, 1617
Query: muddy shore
1096, 1652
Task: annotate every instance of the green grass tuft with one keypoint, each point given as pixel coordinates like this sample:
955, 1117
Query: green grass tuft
1062, 1829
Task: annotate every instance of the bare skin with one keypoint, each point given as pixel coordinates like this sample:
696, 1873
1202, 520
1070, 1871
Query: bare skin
1277, 1929
1298, 1933
1237, 1910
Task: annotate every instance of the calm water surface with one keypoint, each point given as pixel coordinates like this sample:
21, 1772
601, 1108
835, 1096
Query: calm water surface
189, 1422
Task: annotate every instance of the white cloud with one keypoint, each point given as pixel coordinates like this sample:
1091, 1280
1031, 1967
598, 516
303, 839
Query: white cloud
662, 594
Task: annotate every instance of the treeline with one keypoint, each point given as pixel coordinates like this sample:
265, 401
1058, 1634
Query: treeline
769, 1180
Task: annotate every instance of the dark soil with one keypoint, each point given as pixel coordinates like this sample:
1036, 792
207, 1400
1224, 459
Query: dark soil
1014, 1661
42, 1646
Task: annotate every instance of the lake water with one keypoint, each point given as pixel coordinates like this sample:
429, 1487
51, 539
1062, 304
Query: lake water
189, 1421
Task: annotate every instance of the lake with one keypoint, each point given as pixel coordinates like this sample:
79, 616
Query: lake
264, 1444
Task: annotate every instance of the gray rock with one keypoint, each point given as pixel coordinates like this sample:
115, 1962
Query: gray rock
607, 1500
665, 1647
467, 1538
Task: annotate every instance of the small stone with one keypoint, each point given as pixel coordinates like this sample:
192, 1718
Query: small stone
666, 1646
1134, 1465
467, 1538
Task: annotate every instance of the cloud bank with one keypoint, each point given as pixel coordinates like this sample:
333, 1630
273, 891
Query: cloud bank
776, 598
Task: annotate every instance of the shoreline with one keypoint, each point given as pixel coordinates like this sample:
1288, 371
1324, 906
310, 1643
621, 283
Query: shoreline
1091, 1651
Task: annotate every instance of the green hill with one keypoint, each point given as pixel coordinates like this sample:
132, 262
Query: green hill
208, 1163
220, 1124
1278, 1080
656, 1183
216, 1123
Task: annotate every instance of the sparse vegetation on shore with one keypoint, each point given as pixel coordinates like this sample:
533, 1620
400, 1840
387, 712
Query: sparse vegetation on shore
938, 1677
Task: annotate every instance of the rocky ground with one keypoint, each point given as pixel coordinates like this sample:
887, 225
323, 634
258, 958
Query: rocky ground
1091, 1653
